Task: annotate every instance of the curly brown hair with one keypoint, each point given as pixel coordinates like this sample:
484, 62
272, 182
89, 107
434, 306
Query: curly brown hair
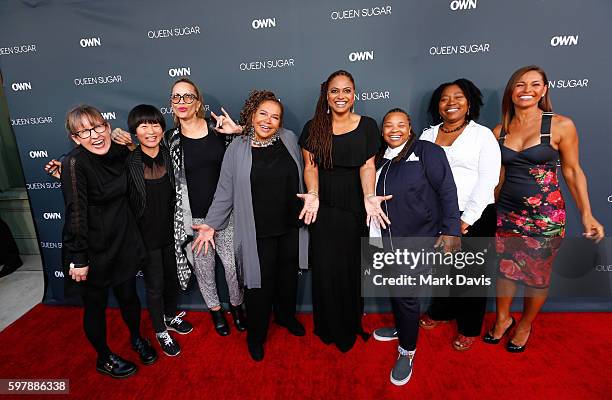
320, 132
256, 97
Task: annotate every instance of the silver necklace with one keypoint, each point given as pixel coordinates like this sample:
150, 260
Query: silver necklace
265, 142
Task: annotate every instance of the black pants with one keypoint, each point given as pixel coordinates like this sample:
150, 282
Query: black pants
468, 309
94, 317
161, 284
278, 261
406, 311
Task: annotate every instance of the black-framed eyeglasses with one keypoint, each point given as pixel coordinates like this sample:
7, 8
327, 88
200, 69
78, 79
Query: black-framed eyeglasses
85, 133
187, 98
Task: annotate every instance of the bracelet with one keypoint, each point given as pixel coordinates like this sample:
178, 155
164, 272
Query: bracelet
370, 195
314, 193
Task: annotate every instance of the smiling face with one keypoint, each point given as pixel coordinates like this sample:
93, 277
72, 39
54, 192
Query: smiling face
149, 134
453, 105
183, 110
99, 141
528, 89
396, 129
266, 119
341, 94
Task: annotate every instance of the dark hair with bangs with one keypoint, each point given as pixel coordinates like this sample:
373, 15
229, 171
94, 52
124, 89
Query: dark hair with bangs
145, 114
471, 93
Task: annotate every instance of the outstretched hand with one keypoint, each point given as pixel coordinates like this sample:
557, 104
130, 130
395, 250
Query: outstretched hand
374, 212
310, 209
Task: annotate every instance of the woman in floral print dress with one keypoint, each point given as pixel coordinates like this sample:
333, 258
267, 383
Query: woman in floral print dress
530, 207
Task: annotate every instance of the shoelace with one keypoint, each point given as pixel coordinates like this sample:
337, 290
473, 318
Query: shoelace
177, 320
166, 337
403, 352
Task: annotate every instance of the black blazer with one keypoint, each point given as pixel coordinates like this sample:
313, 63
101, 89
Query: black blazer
136, 182
424, 193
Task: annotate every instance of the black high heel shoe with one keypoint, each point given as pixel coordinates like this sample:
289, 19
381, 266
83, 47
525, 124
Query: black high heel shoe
220, 322
488, 338
239, 318
513, 348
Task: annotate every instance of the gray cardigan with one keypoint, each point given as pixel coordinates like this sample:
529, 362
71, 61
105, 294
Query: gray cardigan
234, 193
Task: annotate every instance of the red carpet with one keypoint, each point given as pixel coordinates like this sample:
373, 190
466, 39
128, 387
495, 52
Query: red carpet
569, 357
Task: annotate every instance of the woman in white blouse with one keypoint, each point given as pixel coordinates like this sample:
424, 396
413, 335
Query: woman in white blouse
474, 157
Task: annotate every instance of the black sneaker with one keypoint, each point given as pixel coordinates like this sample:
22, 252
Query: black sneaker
116, 366
178, 324
147, 353
168, 345
385, 334
402, 370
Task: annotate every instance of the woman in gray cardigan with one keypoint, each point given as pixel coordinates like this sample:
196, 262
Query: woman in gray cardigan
261, 182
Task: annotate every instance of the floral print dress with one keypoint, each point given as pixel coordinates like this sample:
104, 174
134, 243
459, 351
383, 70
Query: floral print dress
530, 211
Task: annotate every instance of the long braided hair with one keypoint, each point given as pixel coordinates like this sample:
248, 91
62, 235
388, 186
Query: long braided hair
320, 132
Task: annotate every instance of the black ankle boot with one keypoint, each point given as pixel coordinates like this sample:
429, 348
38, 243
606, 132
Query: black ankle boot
220, 322
239, 318
115, 366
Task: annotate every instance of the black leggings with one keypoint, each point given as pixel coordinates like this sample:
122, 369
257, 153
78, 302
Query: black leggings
161, 283
94, 318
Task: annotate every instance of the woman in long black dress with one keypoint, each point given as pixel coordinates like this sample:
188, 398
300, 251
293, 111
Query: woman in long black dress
339, 148
102, 247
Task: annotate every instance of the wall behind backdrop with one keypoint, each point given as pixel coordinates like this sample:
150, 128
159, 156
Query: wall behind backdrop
115, 54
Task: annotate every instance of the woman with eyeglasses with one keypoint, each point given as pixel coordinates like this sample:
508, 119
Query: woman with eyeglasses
197, 147
102, 247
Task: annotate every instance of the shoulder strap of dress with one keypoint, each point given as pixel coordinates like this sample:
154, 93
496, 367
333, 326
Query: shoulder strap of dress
502, 135
545, 127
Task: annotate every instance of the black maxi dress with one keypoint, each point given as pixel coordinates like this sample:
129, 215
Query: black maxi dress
335, 237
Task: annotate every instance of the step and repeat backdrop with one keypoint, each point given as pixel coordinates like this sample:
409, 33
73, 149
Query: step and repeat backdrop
115, 54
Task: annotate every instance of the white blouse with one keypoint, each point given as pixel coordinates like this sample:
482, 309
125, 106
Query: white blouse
475, 160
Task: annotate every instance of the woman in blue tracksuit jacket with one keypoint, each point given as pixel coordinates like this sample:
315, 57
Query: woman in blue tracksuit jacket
424, 204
